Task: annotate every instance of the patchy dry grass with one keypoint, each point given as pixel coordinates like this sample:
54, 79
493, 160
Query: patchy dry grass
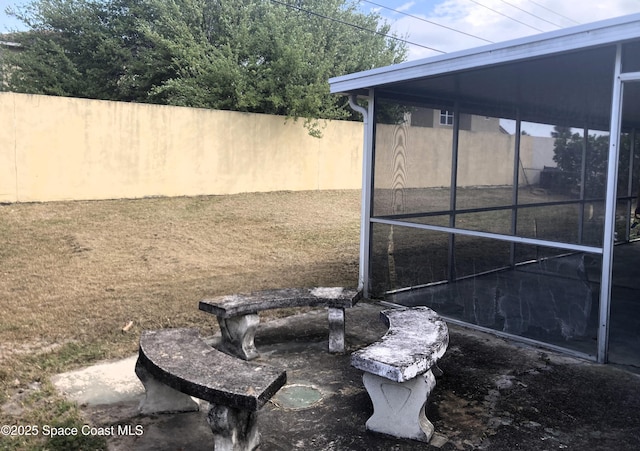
72, 274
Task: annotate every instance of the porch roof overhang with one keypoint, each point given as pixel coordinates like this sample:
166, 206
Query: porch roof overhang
563, 77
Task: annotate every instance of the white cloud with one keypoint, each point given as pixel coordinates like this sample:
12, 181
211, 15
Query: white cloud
407, 6
474, 19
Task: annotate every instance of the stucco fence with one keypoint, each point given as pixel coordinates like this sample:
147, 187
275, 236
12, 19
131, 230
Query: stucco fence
58, 148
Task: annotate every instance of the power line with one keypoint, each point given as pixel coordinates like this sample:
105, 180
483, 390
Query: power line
531, 14
333, 19
553, 12
508, 17
428, 21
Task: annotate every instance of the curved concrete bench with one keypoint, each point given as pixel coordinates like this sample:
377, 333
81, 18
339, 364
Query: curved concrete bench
398, 371
175, 364
238, 318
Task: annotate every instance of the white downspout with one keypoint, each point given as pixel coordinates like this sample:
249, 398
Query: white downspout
365, 215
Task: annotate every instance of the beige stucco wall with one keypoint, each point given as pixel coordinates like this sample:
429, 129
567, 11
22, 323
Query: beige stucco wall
417, 157
485, 159
420, 157
57, 148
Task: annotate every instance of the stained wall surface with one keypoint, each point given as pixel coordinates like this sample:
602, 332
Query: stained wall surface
58, 148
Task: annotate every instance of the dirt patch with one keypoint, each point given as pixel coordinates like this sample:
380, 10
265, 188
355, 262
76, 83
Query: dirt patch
37, 347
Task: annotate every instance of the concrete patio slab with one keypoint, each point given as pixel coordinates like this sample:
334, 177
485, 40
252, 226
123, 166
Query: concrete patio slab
494, 395
105, 383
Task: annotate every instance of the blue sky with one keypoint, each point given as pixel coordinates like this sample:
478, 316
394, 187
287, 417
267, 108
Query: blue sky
489, 20
8, 23
477, 22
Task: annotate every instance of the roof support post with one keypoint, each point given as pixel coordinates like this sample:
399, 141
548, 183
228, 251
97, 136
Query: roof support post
367, 190
453, 194
610, 210
629, 207
583, 182
516, 187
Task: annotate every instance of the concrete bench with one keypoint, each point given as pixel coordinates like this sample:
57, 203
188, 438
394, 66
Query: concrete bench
398, 371
238, 318
175, 364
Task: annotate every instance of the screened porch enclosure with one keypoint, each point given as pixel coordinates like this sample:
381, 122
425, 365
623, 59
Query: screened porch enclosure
500, 186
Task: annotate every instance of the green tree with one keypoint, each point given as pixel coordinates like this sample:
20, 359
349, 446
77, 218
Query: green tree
568, 154
262, 56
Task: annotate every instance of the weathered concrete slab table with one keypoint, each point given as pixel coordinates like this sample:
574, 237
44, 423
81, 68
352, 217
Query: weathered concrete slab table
238, 318
398, 371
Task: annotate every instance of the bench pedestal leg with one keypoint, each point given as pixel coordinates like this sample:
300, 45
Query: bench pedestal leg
399, 408
160, 398
336, 329
233, 429
238, 334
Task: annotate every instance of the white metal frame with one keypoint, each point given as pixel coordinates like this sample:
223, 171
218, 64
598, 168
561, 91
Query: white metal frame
610, 204
613, 31
610, 212
591, 35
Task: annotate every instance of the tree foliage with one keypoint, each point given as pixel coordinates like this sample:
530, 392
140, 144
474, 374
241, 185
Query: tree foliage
568, 154
262, 56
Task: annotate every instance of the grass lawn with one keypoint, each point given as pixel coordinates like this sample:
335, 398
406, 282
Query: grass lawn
75, 273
